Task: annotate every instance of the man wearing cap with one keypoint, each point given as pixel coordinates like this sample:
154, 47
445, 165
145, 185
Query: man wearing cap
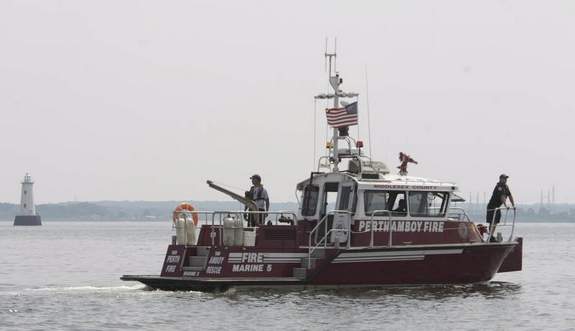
498, 198
260, 196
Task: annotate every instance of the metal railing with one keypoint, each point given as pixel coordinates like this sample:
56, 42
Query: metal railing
215, 219
503, 222
348, 231
460, 213
388, 212
314, 232
462, 216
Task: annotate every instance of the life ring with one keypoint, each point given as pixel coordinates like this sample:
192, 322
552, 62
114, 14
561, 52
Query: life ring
184, 206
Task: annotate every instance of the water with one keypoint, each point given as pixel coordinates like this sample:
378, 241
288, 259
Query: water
65, 276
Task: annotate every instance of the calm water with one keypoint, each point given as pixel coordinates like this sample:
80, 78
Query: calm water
65, 276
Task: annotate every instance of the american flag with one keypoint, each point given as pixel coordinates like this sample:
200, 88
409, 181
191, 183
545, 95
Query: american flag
341, 117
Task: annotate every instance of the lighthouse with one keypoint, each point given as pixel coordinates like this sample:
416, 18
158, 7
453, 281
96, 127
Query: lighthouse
27, 213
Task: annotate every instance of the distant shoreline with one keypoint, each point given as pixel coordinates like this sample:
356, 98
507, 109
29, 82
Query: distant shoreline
160, 211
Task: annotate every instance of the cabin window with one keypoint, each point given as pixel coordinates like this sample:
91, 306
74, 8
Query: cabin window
397, 203
344, 198
374, 200
427, 204
393, 201
309, 204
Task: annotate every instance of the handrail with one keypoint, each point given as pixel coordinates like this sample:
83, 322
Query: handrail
389, 214
389, 220
504, 223
242, 212
297, 197
463, 212
236, 213
326, 232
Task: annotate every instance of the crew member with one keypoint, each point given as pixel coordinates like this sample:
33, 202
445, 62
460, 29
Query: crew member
499, 197
260, 197
401, 209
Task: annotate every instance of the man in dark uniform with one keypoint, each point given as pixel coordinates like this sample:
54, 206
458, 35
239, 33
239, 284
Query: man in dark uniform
259, 195
499, 197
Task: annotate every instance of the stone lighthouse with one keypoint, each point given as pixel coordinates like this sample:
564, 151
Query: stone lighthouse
27, 213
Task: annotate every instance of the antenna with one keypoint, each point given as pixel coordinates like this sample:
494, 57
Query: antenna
335, 81
314, 130
335, 57
325, 58
329, 57
368, 113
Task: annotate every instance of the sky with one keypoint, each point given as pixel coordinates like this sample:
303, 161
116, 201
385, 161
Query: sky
146, 100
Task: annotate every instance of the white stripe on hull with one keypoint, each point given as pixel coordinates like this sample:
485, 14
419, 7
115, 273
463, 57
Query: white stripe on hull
381, 259
351, 257
380, 256
271, 257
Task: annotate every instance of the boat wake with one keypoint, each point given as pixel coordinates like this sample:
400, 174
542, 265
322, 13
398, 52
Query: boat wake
78, 289
87, 289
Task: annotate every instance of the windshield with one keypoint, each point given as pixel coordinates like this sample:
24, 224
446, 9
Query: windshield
393, 201
427, 204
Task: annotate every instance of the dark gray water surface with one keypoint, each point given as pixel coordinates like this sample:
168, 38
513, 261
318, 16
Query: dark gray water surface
65, 276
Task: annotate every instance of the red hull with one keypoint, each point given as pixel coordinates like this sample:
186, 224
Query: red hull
430, 264
281, 257
475, 263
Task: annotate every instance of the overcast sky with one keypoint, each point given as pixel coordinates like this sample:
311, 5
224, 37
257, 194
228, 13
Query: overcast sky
145, 100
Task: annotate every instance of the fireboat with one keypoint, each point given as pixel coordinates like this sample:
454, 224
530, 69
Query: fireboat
357, 225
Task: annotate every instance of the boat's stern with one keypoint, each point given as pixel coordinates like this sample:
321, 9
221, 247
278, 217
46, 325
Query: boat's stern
175, 258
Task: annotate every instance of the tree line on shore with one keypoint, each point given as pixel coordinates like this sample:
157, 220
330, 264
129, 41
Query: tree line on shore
123, 210
161, 210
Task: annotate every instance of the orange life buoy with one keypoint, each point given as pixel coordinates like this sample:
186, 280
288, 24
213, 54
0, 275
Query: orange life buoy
184, 206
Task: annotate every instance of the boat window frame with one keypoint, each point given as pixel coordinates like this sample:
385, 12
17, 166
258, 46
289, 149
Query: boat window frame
306, 209
367, 212
328, 187
348, 201
442, 209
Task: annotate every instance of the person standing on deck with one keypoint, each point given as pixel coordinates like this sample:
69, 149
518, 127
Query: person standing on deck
499, 197
260, 196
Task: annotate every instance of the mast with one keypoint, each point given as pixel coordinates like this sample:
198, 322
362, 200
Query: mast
335, 81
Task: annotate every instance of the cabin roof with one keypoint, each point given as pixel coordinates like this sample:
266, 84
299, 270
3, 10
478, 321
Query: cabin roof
388, 181
391, 181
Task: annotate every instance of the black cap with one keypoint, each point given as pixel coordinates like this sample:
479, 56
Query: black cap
503, 176
258, 177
